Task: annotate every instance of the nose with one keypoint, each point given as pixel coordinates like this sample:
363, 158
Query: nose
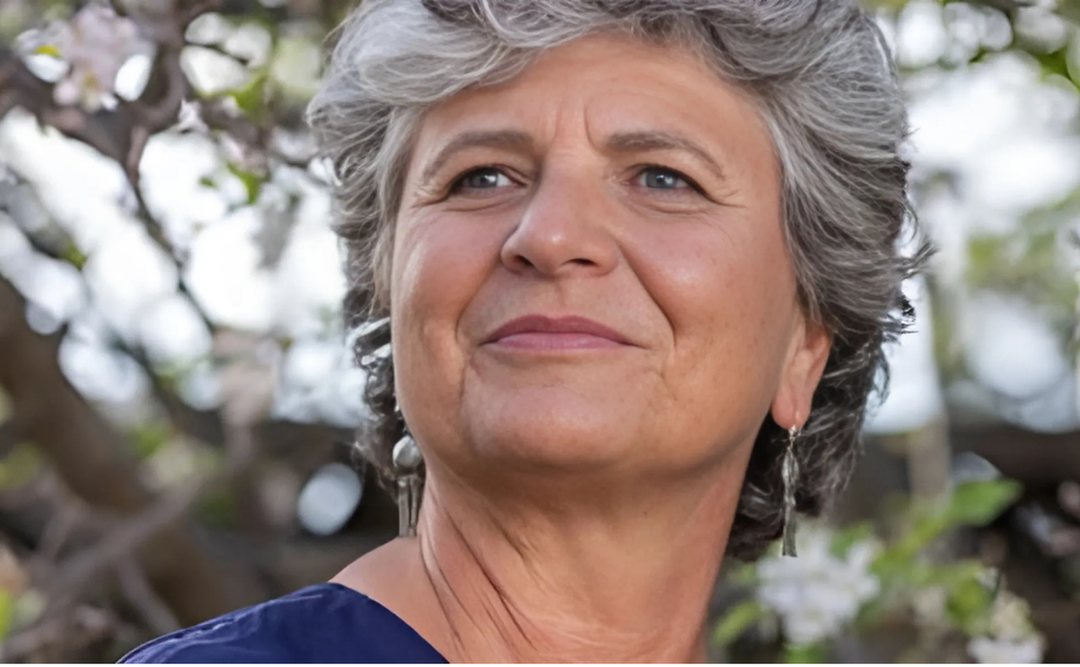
565, 229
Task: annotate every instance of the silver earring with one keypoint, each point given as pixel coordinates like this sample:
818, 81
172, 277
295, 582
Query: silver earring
407, 459
789, 471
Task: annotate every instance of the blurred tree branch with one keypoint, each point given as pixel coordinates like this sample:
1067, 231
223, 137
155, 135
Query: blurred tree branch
82, 449
59, 636
1045, 459
137, 590
120, 134
275, 437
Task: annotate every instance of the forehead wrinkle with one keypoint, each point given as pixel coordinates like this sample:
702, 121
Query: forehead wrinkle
658, 140
512, 140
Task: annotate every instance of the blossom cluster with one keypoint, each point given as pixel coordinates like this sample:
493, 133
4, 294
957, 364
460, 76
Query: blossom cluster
91, 48
817, 594
1011, 638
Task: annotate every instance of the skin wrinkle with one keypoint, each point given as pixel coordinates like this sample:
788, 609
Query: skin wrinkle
431, 568
395, 58
632, 142
576, 516
578, 504
582, 635
505, 601
518, 619
501, 598
675, 341
507, 140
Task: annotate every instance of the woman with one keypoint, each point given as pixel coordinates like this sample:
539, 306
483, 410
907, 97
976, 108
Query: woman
622, 271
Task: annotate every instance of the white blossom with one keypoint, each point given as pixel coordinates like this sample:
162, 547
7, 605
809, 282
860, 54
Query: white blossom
1012, 638
929, 605
990, 650
95, 44
817, 594
1009, 617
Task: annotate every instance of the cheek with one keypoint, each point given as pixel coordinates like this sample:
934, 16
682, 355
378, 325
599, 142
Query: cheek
727, 289
440, 262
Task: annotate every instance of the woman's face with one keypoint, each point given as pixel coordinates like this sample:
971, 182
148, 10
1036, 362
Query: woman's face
590, 274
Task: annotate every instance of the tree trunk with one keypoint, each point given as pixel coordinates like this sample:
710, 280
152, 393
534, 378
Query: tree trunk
84, 451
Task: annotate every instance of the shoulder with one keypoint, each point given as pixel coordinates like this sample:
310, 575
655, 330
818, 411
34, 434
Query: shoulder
261, 633
323, 623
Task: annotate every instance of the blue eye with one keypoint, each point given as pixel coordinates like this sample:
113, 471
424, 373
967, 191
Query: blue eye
660, 178
485, 178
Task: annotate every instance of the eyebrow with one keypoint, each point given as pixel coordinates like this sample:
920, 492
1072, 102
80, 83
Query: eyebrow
521, 142
629, 142
513, 140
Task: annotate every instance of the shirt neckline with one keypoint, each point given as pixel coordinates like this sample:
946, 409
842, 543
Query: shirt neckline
426, 645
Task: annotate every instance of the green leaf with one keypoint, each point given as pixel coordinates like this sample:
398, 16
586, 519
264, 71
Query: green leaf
1055, 62
968, 606
1072, 57
74, 256
874, 613
252, 182
149, 438
1028, 262
19, 466
217, 509
953, 574
737, 620
849, 537
804, 653
979, 503
900, 557
7, 612
926, 530
741, 574
894, 563
251, 99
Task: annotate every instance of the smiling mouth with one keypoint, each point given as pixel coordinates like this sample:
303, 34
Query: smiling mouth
540, 333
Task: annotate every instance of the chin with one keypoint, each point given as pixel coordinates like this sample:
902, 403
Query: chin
553, 428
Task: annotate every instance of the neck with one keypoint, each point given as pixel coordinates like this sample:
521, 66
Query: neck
505, 582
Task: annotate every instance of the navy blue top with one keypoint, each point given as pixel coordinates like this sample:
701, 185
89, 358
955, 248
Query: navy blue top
323, 623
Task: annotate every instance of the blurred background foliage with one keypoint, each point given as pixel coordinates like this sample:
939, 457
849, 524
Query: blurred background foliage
176, 401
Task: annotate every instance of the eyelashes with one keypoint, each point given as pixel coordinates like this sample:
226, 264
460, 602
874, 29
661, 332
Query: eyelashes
488, 177
659, 177
653, 177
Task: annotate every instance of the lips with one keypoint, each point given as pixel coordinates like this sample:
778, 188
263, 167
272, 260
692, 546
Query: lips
554, 333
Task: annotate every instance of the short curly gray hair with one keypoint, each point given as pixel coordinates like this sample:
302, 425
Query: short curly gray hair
822, 79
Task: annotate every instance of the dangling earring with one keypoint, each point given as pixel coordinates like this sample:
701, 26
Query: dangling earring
789, 471
407, 459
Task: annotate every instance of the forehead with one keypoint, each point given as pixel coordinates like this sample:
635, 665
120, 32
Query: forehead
604, 84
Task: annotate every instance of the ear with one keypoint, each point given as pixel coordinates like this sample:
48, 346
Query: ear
805, 363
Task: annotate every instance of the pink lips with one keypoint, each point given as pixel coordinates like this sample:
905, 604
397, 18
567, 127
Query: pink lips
541, 333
